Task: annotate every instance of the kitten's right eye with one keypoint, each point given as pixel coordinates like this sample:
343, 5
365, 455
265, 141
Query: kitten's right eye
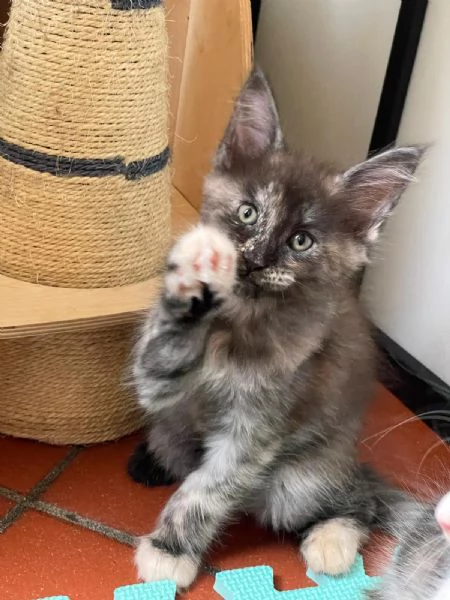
248, 214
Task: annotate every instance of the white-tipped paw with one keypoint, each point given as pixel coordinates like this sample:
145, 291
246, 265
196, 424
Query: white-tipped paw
154, 564
331, 547
202, 256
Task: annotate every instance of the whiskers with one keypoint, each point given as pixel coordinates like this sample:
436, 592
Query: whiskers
438, 415
426, 473
276, 279
440, 442
430, 554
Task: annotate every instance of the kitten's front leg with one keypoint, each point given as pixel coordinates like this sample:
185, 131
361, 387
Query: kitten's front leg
201, 272
197, 511
200, 275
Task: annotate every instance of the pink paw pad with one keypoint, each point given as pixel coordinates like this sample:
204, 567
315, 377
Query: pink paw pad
203, 256
214, 260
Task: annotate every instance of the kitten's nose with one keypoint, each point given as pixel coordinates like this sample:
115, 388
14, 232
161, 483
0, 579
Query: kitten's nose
253, 263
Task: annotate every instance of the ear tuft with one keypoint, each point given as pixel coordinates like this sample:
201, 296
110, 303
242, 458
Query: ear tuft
374, 187
253, 129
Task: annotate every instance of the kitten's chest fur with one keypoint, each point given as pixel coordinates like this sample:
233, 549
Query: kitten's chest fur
282, 365
258, 351
265, 336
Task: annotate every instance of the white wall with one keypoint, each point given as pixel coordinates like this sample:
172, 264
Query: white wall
326, 60
408, 287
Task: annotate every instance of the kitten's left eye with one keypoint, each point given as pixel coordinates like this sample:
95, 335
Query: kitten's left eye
301, 241
247, 214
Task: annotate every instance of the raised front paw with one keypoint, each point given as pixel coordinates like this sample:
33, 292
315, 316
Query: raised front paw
202, 261
155, 564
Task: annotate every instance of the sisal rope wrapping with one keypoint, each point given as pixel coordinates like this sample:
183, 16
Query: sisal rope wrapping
68, 388
85, 82
103, 244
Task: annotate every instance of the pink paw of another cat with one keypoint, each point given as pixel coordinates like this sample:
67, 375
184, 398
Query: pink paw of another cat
203, 256
443, 515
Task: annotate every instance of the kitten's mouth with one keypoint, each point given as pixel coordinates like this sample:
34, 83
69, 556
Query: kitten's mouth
248, 284
264, 278
249, 275
245, 272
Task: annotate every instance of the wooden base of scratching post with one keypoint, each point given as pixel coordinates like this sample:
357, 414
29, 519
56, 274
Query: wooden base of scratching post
68, 388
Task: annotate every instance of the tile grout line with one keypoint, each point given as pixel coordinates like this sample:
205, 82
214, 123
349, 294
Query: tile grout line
43, 485
10, 494
117, 535
61, 514
31, 500
24, 501
68, 516
74, 518
11, 516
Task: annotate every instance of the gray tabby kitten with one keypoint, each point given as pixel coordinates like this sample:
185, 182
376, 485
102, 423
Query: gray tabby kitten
256, 365
420, 569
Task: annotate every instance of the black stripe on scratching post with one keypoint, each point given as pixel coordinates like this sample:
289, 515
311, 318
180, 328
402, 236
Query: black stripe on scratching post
134, 4
66, 166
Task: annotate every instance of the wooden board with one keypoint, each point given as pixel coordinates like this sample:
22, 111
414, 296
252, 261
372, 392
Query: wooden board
177, 19
30, 309
217, 59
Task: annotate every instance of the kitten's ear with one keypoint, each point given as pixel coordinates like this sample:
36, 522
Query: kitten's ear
254, 127
373, 188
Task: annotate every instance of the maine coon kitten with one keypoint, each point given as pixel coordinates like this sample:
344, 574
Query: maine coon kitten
256, 365
420, 569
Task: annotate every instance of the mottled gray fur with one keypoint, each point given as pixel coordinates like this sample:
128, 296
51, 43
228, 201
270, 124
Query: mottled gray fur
256, 397
420, 569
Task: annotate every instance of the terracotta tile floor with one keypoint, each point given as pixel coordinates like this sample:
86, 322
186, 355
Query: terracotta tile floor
54, 501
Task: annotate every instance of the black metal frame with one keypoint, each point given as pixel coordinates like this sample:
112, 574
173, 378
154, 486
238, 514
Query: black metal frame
415, 385
398, 73
256, 8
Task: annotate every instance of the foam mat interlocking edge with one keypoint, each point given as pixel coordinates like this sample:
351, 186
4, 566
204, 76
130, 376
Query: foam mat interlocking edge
258, 583
158, 590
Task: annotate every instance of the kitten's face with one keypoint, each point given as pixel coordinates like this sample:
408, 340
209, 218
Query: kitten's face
295, 222
285, 220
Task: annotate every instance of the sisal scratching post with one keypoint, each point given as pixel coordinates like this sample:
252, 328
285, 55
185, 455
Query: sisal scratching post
83, 142
68, 388
84, 199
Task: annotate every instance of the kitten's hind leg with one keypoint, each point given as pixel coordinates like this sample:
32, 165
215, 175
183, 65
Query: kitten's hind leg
144, 468
171, 452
